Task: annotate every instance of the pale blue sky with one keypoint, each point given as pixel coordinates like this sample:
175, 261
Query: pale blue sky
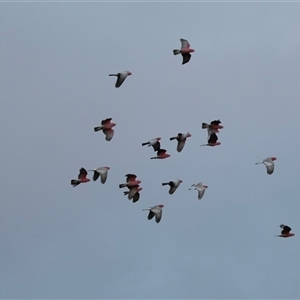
90, 241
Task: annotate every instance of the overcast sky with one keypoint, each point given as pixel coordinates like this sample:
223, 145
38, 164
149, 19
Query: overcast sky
90, 241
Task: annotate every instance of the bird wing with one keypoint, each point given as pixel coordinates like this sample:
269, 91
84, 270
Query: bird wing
286, 230
109, 133
184, 44
180, 145
136, 197
270, 167
158, 215
201, 193
172, 189
150, 215
185, 57
103, 176
130, 177
120, 80
82, 173
212, 138
156, 146
96, 175
106, 121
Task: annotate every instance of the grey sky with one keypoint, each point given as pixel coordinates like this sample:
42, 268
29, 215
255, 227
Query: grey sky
90, 241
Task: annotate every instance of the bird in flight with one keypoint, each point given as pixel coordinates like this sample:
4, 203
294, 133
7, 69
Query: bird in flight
81, 177
174, 184
269, 163
102, 172
285, 231
212, 139
154, 143
214, 126
181, 138
155, 211
121, 77
106, 127
185, 51
200, 188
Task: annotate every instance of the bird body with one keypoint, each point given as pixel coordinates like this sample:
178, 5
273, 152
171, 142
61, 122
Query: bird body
121, 77
81, 177
269, 163
200, 188
161, 154
185, 51
174, 184
285, 233
181, 138
155, 211
106, 127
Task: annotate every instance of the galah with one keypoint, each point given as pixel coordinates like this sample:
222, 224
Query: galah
161, 154
154, 143
200, 188
184, 51
214, 126
155, 211
181, 138
174, 184
269, 163
81, 177
102, 172
106, 127
130, 181
133, 193
121, 77
212, 139
285, 233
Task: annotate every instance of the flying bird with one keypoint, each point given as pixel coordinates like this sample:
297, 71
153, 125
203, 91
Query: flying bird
161, 154
269, 163
81, 177
106, 127
200, 188
154, 143
133, 193
184, 51
285, 231
174, 184
102, 172
155, 211
212, 139
181, 138
214, 126
121, 77
130, 181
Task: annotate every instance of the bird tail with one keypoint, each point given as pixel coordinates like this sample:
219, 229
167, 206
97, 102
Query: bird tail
173, 138
122, 185
97, 128
204, 125
259, 163
144, 144
113, 74
75, 182
153, 157
126, 193
165, 183
176, 51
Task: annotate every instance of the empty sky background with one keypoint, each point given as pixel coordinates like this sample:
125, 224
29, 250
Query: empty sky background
90, 241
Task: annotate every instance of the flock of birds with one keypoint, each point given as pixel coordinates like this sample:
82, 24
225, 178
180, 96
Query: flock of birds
133, 184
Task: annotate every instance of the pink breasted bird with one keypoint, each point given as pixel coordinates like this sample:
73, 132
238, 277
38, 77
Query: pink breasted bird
181, 138
81, 177
185, 51
174, 184
212, 139
285, 233
100, 172
154, 143
130, 181
121, 77
269, 163
200, 188
155, 211
161, 154
106, 127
